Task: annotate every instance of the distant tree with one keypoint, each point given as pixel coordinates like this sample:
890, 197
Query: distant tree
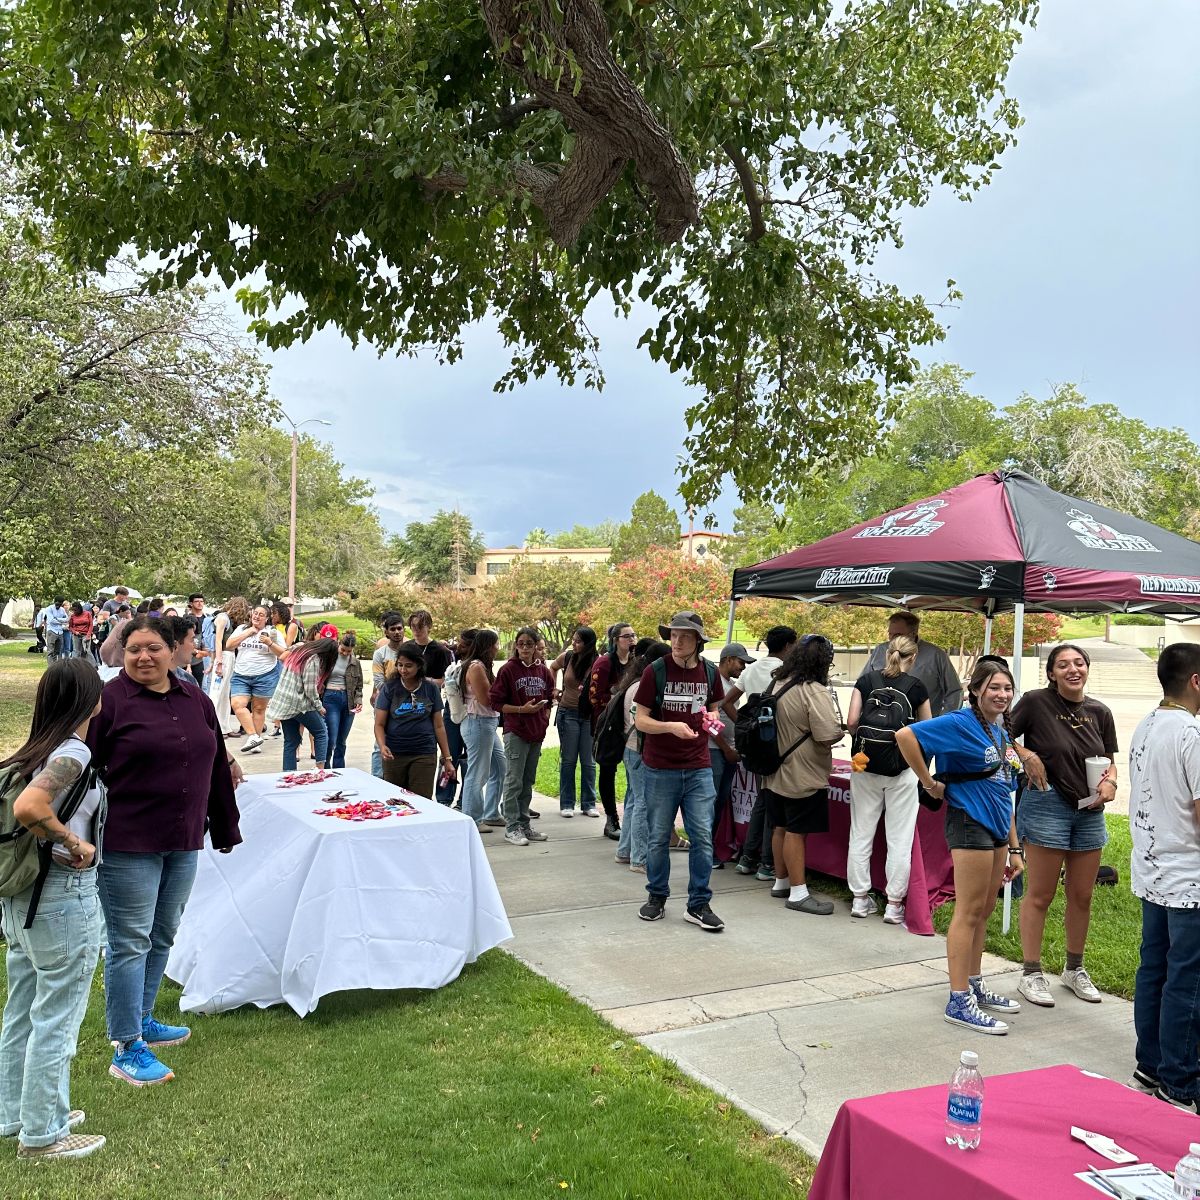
652, 522
587, 536
537, 538
549, 595
453, 609
440, 551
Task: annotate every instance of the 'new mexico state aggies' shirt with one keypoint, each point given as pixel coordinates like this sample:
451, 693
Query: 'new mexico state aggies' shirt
685, 698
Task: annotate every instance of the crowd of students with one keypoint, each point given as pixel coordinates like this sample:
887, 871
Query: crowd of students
115, 863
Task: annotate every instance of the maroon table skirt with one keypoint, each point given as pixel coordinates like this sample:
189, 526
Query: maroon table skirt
930, 884
893, 1146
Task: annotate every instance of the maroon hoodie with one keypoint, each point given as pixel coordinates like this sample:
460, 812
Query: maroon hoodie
516, 683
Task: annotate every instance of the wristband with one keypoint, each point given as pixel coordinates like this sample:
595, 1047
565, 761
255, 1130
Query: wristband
1016, 850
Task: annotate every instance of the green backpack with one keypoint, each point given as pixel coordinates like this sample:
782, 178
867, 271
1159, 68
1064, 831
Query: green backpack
24, 862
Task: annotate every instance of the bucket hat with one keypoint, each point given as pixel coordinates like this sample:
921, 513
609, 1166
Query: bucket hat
684, 620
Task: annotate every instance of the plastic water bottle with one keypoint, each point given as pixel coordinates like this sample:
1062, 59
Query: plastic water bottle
766, 723
1187, 1174
964, 1108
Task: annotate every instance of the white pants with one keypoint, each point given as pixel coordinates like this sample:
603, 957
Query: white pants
896, 797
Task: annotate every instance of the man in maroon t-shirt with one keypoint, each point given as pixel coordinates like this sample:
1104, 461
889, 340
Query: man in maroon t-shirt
676, 767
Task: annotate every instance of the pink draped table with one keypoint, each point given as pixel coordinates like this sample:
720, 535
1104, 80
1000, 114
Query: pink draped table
931, 882
893, 1146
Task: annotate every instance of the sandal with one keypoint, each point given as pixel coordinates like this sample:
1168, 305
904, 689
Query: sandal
679, 843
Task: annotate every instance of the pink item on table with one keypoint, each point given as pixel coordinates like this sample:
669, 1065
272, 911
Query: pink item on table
894, 1145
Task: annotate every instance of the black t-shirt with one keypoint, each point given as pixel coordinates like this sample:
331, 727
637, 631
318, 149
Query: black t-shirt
437, 659
1063, 734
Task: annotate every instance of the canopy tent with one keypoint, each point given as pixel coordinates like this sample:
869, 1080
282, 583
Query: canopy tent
999, 542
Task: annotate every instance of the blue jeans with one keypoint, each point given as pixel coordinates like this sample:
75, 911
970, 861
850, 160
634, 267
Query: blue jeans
632, 844
338, 722
690, 792
377, 761
575, 746
458, 753
723, 773
79, 646
293, 737
143, 896
485, 768
50, 967
1166, 998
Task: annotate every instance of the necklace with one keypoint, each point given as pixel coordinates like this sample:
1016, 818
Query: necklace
1075, 718
1181, 707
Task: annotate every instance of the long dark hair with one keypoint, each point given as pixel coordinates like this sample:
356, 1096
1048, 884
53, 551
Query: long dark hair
325, 651
979, 680
66, 695
415, 653
525, 631
647, 650
581, 664
1062, 648
808, 661
486, 640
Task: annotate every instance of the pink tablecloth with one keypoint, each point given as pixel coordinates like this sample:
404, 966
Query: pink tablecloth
932, 880
894, 1146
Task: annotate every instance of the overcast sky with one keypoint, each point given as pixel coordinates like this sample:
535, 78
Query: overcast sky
1079, 264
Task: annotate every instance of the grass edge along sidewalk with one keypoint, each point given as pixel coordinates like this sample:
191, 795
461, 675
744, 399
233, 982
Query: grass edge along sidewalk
498, 1085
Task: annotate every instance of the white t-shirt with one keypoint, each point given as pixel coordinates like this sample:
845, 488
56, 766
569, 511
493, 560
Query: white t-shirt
1164, 784
757, 677
81, 823
254, 656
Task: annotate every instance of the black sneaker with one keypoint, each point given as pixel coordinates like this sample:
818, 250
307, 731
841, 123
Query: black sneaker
706, 919
654, 909
534, 815
1192, 1105
1143, 1081
612, 830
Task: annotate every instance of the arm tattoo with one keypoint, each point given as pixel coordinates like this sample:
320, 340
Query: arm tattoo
58, 836
57, 774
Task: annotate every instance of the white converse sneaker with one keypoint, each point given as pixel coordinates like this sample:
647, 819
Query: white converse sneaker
1080, 982
1036, 990
863, 906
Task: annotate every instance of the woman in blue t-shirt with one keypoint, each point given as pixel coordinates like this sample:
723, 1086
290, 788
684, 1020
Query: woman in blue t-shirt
980, 828
408, 724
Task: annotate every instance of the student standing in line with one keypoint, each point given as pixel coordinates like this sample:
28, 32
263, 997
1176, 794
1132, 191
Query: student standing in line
574, 726
485, 755
604, 675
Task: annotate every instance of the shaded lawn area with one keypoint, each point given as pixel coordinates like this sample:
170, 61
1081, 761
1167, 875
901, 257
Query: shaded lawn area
498, 1085
547, 776
1115, 933
19, 675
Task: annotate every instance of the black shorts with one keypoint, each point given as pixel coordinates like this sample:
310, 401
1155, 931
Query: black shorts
963, 832
804, 814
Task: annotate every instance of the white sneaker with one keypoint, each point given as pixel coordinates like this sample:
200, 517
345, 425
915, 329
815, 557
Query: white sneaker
863, 906
1080, 982
514, 837
893, 914
1036, 990
252, 743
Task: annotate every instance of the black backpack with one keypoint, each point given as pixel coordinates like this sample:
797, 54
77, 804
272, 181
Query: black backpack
886, 710
756, 732
608, 742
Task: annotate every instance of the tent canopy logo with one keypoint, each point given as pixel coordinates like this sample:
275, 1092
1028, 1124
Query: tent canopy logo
917, 521
855, 577
1095, 535
1168, 585
987, 576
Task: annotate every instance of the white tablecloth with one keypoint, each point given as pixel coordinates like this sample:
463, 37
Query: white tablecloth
311, 904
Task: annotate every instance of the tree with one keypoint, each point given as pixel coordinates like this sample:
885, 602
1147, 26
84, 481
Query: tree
651, 523
453, 609
117, 409
440, 551
384, 167
550, 596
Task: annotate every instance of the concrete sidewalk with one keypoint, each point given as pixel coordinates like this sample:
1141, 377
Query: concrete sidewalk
786, 1014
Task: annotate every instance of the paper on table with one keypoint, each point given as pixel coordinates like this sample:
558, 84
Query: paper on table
1144, 1181
1103, 1144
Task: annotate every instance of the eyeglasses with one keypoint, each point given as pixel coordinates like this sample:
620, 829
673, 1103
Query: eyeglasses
527, 645
627, 637
154, 649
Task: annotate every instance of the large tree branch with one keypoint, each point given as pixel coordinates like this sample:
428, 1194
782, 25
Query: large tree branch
750, 189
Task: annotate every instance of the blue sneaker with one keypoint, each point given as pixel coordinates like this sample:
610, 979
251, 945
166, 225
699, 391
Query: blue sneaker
986, 998
155, 1033
963, 1010
136, 1064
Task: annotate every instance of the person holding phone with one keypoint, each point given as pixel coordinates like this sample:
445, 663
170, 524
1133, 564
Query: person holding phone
522, 691
257, 650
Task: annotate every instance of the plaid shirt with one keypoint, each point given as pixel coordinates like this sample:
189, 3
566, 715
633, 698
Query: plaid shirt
296, 692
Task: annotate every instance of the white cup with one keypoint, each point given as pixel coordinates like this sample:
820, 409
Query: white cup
1095, 768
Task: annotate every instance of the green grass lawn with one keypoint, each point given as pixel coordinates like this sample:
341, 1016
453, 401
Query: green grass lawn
547, 775
1114, 936
1081, 627
498, 1085
19, 675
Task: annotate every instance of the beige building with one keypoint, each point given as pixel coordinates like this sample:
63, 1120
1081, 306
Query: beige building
497, 561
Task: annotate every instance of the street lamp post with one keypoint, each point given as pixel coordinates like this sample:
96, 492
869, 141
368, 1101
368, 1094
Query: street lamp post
292, 518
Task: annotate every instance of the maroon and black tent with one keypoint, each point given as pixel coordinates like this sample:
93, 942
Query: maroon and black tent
999, 542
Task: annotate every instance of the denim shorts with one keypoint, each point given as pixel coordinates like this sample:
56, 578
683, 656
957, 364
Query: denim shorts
1046, 819
260, 686
963, 832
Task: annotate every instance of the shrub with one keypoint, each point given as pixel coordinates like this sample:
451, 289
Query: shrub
1147, 619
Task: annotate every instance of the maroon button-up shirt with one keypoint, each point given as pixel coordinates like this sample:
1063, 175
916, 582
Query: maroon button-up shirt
163, 760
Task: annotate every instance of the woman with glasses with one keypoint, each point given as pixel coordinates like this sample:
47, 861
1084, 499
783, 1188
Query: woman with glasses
521, 693
807, 727
605, 672
574, 727
158, 748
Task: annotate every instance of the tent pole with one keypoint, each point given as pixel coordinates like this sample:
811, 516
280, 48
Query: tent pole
732, 613
1018, 644
987, 635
